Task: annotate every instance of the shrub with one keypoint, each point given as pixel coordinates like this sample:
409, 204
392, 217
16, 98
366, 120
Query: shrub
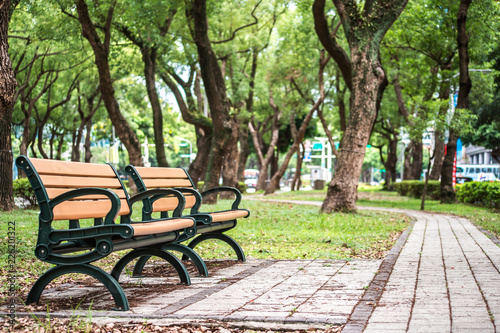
480, 193
23, 190
415, 188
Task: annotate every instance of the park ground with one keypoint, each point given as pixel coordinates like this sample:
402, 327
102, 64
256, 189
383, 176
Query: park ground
274, 231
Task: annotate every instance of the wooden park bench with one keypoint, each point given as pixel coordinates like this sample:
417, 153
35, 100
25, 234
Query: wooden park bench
209, 225
90, 197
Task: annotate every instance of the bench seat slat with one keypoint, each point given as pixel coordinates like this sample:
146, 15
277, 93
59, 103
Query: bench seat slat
166, 183
86, 209
158, 227
78, 182
54, 167
147, 173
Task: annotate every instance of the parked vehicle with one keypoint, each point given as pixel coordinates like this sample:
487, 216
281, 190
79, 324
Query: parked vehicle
251, 177
479, 172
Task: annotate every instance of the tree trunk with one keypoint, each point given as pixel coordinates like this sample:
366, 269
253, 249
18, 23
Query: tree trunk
149, 58
88, 153
417, 160
368, 75
230, 166
363, 73
7, 91
259, 146
101, 51
216, 94
244, 151
438, 157
275, 180
298, 136
391, 160
447, 190
296, 181
435, 174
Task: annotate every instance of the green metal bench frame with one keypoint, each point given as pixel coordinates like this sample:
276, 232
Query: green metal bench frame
206, 228
102, 239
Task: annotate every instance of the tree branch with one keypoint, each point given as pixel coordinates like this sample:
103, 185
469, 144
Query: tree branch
242, 27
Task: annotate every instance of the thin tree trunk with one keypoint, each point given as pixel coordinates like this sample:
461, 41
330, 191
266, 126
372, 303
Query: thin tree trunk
296, 181
88, 153
417, 160
438, 157
149, 58
101, 51
230, 166
447, 191
299, 137
244, 151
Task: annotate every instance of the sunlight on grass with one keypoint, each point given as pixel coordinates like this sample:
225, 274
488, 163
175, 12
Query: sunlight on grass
484, 217
287, 231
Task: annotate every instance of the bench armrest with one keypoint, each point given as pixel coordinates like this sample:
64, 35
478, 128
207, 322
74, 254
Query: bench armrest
150, 196
196, 194
113, 197
236, 202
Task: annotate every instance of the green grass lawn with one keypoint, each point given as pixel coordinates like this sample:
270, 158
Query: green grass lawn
484, 217
273, 231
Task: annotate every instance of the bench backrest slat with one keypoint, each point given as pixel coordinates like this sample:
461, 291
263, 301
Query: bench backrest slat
158, 178
59, 177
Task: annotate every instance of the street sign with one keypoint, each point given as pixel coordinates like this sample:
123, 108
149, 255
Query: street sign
185, 155
307, 156
317, 146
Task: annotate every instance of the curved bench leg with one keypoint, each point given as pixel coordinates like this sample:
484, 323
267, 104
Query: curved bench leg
139, 266
188, 252
111, 284
220, 236
179, 267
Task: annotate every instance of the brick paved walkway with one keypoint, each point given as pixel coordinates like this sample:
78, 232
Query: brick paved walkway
442, 276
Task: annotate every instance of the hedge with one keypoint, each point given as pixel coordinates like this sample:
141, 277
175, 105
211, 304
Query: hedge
480, 193
415, 188
23, 189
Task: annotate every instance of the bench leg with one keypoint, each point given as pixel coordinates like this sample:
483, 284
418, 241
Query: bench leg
111, 284
176, 263
220, 236
187, 253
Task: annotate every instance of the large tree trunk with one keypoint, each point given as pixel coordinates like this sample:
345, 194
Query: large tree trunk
101, 51
447, 190
7, 91
215, 88
367, 78
363, 73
